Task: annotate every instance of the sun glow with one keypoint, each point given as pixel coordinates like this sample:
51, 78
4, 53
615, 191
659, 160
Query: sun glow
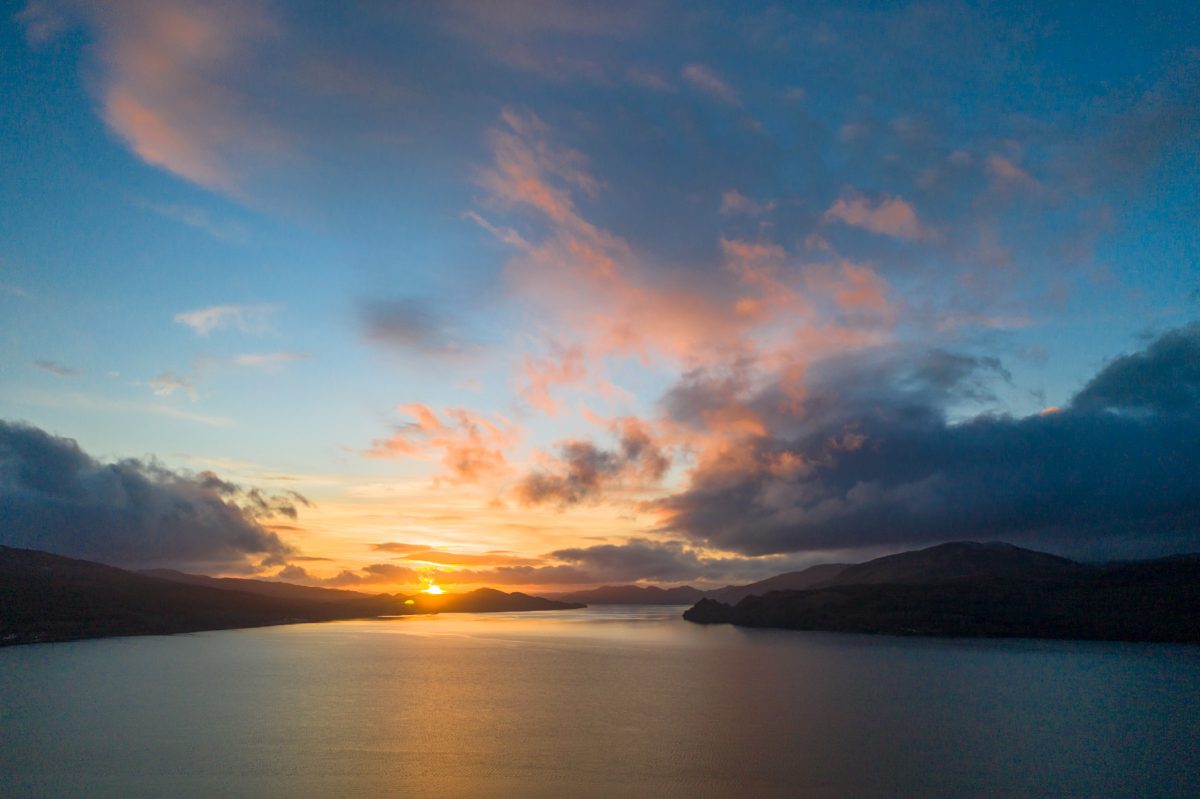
432, 589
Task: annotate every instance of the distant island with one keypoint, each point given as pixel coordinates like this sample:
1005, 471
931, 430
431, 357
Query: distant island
46, 597
984, 590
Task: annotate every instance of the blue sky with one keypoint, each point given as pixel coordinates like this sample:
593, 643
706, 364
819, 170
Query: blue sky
264, 238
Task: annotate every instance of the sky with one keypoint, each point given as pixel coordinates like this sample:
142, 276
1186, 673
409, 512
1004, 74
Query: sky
551, 295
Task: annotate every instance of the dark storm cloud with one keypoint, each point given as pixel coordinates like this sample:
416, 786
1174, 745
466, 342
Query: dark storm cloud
1164, 378
57, 498
870, 459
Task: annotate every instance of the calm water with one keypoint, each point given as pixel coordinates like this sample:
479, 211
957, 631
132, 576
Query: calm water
603, 702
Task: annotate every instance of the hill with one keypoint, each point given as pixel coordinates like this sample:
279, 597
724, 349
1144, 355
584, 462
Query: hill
46, 597
790, 581
263, 587
954, 592
959, 560
634, 595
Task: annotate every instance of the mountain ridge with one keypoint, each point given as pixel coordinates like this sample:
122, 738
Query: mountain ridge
972, 590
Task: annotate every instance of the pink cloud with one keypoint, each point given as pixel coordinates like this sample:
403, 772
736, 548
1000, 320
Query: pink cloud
709, 82
472, 447
167, 77
541, 375
1005, 170
891, 216
734, 202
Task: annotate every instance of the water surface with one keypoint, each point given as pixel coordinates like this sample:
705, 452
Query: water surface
603, 702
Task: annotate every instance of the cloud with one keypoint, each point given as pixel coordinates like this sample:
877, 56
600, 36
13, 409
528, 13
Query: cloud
734, 202
668, 561
870, 458
399, 548
1006, 171
244, 318
165, 384
623, 302
472, 447
1163, 379
409, 324
269, 360
582, 470
564, 367
374, 574
168, 80
200, 219
56, 369
709, 82
891, 216
57, 498
635, 560
92, 402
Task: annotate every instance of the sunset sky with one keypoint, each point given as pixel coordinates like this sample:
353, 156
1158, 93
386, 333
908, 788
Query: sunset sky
548, 295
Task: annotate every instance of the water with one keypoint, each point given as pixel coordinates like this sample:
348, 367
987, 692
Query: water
605, 702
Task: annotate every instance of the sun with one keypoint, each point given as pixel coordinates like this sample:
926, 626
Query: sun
432, 589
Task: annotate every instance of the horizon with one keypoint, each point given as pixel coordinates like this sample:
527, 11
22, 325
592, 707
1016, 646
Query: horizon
543, 298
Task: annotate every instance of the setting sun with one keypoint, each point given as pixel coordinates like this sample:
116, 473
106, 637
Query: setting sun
432, 589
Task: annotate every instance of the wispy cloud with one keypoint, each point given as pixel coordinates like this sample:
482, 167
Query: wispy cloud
473, 447
92, 402
709, 82
165, 384
244, 318
734, 202
540, 376
56, 369
267, 360
200, 219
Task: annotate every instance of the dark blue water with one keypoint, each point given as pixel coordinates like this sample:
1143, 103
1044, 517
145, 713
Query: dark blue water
604, 702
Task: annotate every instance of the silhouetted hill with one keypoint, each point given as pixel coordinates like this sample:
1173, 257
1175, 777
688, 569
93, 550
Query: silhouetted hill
634, 595
484, 600
959, 560
1136, 601
263, 587
46, 597
790, 581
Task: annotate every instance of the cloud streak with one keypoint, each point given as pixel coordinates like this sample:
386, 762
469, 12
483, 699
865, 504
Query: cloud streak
243, 318
56, 369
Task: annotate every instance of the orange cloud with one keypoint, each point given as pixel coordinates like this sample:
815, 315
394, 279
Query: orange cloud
472, 447
541, 375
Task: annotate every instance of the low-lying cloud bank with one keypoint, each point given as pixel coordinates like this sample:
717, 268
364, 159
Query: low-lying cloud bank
869, 458
55, 497
635, 560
